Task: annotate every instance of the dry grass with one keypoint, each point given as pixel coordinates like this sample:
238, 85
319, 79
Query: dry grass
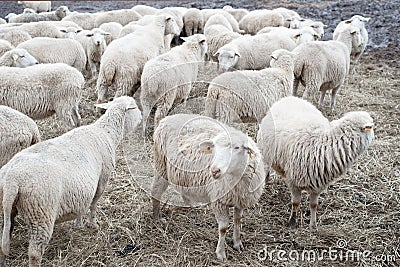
363, 208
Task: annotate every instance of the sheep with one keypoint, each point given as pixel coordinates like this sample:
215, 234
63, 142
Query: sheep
316, 25
71, 32
303, 35
5, 46
245, 96
323, 65
57, 14
235, 176
258, 19
168, 78
308, 151
37, 6
251, 52
3, 21
19, 58
176, 13
237, 13
288, 15
122, 16
207, 13
17, 132
31, 92
193, 21
94, 44
123, 61
359, 22
28, 10
69, 172
35, 29
51, 50
145, 10
85, 20
114, 28
15, 37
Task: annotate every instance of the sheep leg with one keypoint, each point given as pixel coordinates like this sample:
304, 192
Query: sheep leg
296, 199
321, 98
40, 237
237, 216
92, 66
333, 98
158, 188
93, 206
309, 90
164, 106
3, 258
295, 86
76, 118
222, 216
313, 207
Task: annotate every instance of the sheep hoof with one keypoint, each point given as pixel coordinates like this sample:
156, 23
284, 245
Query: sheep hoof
221, 256
313, 228
238, 246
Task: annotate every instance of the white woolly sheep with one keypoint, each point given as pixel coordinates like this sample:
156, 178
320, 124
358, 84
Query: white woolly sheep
323, 65
193, 21
233, 177
17, 132
30, 91
70, 32
5, 46
123, 61
258, 19
245, 96
19, 58
316, 25
207, 13
38, 6
122, 16
15, 37
94, 44
114, 28
168, 78
70, 173
303, 35
218, 19
251, 52
28, 10
176, 13
288, 15
145, 10
310, 152
35, 29
52, 50
3, 21
57, 14
237, 13
84, 20
356, 51
218, 36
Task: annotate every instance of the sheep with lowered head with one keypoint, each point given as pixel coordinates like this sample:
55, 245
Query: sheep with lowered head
245, 96
17, 132
323, 65
114, 28
17, 57
123, 61
57, 14
193, 21
310, 152
31, 91
252, 52
53, 50
356, 51
168, 78
62, 178
94, 44
258, 19
208, 162
38, 6
122, 16
303, 35
237, 13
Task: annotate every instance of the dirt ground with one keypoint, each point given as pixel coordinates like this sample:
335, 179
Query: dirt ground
358, 217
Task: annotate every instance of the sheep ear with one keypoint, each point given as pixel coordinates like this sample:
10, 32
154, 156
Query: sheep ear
78, 31
366, 19
353, 31
296, 36
202, 42
102, 105
207, 146
62, 30
347, 21
325, 26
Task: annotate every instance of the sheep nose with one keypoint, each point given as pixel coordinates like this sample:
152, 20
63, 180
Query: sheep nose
98, 42
216, 172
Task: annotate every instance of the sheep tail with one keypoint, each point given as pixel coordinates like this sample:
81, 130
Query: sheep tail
10, 193
109, 73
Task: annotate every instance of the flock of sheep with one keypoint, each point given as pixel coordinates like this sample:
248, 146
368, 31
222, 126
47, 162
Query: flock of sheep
262, 56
